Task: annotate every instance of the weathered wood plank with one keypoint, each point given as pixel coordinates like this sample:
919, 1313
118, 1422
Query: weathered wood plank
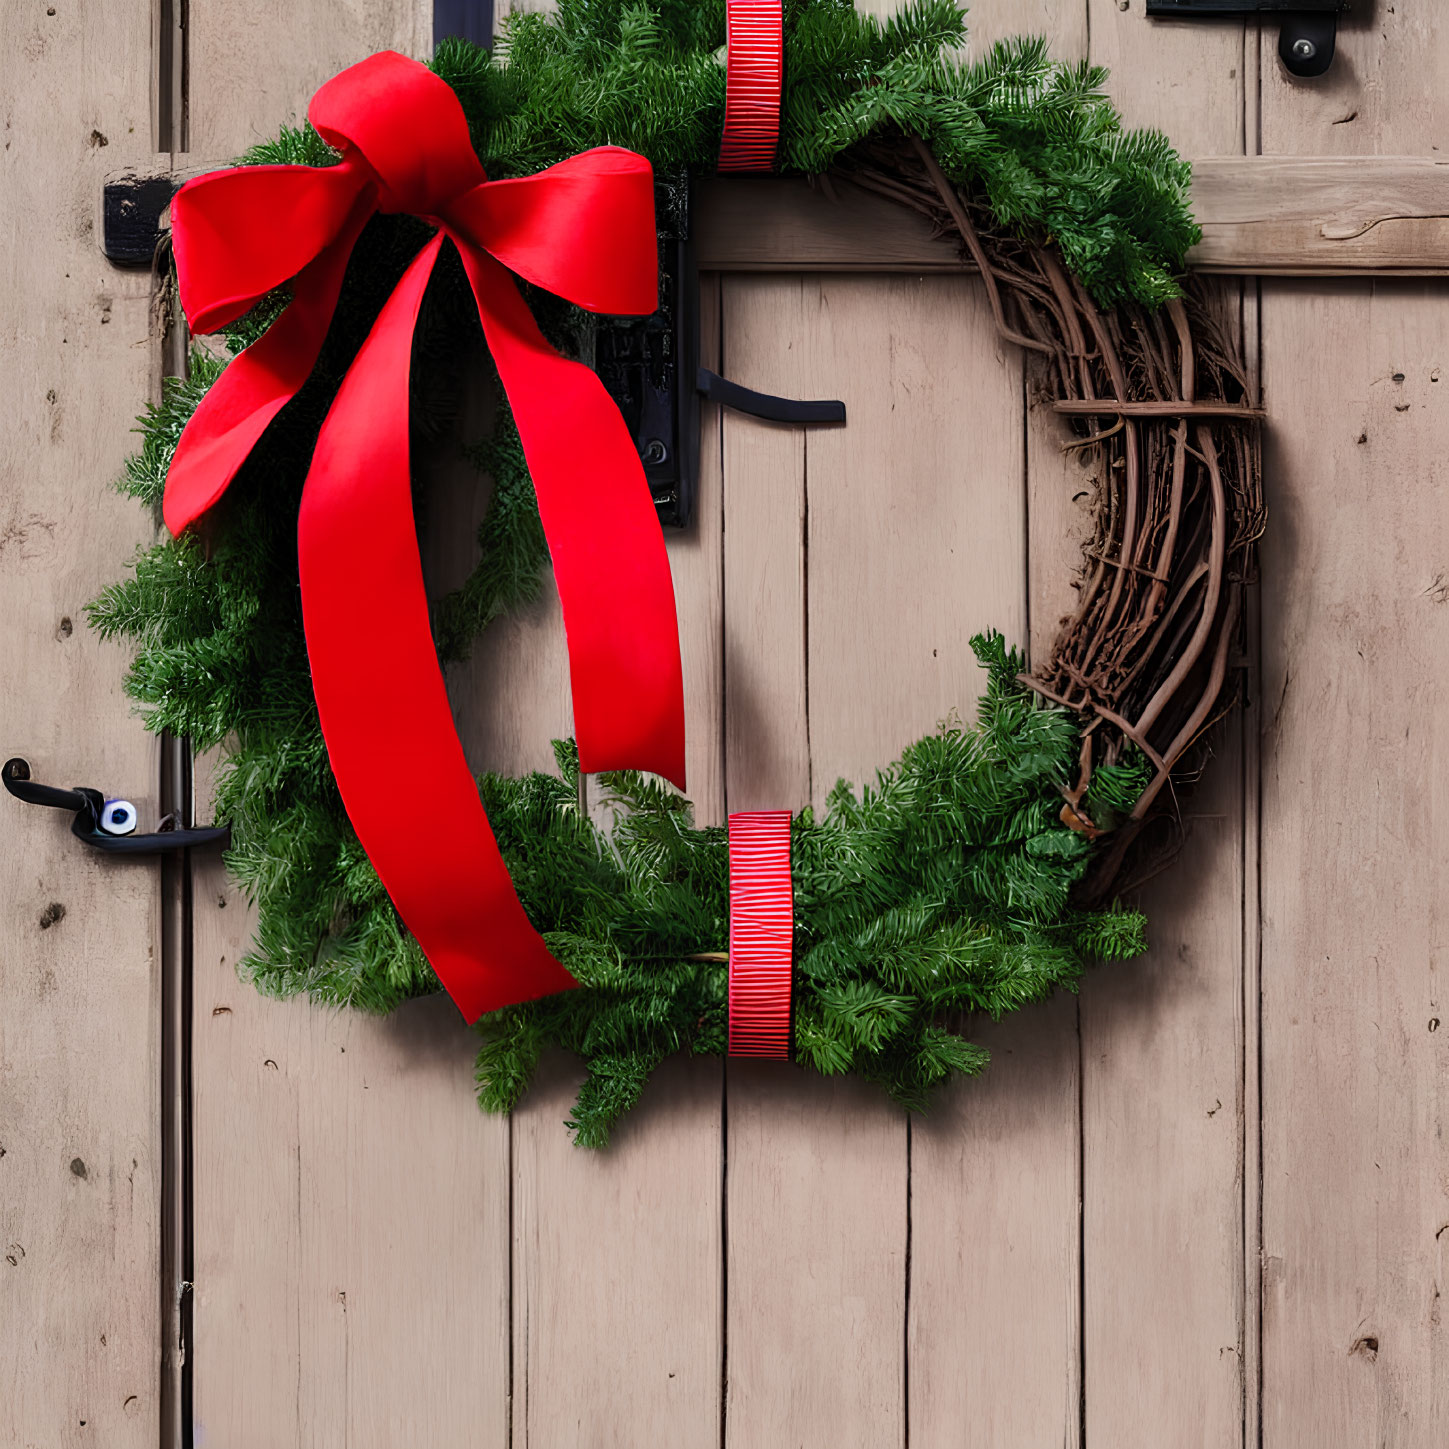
771, 224
1356, 644
994, 1323
1322, 215
351, 1207
905, 533
1162, 1038
816, 1184
80, 938
617, 1258
1354, 1076
253, 68
1260, 215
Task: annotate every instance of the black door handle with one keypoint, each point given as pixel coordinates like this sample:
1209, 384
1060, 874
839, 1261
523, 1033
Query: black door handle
766, 405
104, 824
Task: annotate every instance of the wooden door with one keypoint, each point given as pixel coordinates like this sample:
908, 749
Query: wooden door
1204, 1203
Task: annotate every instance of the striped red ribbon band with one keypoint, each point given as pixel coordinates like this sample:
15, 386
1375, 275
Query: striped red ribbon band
762, 929
754, 71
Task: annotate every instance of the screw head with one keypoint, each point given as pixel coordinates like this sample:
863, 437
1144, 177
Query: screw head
1304, 49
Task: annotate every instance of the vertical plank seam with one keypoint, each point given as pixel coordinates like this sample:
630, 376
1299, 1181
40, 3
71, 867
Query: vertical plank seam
301, 1255
723, 746
724, 1244
805, 576
1251, 1369
170, 79
1081, 1089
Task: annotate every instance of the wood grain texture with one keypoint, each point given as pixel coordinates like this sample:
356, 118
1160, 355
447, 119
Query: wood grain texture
771, 224
617, 1259
1275, 216
80, 1149
906, 534
1163, 1130
254, 67
995, 1291
1313, 215
1355, 1174
816, 1184
351, 1205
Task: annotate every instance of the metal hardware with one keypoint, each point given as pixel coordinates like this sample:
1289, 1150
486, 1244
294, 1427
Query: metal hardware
766, 405
649, 366
1309, 33
465, 19
646, 362
102, 823
131, 211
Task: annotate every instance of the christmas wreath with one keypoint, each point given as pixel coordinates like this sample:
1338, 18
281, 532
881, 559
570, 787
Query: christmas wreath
981, 870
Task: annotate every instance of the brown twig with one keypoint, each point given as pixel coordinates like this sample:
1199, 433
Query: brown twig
1143, 657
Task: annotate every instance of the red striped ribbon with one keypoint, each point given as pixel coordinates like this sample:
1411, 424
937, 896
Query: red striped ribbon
754, 72
762, 930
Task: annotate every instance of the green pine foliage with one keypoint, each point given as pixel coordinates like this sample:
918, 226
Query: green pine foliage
939, 892
942, 890
1038, 140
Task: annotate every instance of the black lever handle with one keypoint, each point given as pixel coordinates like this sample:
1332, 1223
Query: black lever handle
104, 824
766, 405
19, 784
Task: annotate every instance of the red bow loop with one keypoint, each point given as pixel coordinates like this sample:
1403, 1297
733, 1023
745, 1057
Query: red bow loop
583, 229
603, 197
222, 271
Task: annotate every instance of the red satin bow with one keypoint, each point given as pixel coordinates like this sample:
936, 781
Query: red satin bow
583, 229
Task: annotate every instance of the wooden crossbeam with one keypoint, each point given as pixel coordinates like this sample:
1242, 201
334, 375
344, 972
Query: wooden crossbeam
1289, 216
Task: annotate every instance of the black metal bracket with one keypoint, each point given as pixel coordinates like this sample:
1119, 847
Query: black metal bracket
466, 19
650, 367
1306, 41
131, 212
105, 824
644, 362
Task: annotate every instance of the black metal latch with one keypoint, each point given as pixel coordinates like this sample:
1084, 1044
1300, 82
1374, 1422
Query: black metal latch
1309, 31
650, 367
648, 364
106, 824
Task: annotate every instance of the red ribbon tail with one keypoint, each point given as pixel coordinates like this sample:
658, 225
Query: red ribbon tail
380, 691
603, 536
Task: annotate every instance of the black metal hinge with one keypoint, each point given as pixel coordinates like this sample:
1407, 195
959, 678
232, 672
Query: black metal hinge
1306, 41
